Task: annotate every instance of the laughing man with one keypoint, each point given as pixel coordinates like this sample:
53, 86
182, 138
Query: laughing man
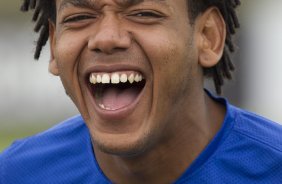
135, 71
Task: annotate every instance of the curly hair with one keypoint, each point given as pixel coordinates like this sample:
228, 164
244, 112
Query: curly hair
45, 10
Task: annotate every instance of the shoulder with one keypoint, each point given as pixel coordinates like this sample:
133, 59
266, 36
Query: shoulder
44, 140
250, 127
252, 149
258, 129
54, 135
45, 154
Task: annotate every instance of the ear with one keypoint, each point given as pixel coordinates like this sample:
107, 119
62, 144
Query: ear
211, 38
53, 66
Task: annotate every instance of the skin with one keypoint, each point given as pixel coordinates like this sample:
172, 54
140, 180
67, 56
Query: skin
174, 119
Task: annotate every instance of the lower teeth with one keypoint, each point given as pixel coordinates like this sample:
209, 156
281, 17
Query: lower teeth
106, 108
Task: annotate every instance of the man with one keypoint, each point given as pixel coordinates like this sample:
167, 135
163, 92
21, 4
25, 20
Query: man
135, 71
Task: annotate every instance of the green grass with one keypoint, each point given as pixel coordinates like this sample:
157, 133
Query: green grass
7, 137
6, 140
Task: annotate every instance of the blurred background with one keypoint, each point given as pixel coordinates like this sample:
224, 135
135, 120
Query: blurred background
32, 100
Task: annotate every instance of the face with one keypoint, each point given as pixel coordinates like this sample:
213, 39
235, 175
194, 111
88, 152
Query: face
129, 67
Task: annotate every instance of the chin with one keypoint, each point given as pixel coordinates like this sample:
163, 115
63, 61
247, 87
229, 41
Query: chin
123, 145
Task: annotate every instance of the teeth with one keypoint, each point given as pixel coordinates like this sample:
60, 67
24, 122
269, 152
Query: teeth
93, 79
123, 78
137, 78
115, 78
102, 106
99, 79
140, 77
131, 78
105, 79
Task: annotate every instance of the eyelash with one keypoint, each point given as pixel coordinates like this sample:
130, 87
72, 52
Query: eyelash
78, 18
146, 14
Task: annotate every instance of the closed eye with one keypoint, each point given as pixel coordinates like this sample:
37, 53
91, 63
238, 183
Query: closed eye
146, 14
78, 18
148, 17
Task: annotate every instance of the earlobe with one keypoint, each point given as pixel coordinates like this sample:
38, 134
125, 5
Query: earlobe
211, 37
53, 67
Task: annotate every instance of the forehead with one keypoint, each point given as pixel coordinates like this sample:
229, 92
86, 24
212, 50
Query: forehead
99, 3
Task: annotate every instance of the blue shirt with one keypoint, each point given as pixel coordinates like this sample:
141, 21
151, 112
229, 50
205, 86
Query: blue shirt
247, 149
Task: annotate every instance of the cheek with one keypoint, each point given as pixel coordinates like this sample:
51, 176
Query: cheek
174, 61
67, 55
171, 57
68, 49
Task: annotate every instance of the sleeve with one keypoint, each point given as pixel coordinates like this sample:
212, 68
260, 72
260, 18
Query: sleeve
4, 155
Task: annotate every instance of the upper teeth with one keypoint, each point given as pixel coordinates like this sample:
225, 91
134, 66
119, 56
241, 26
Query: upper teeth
115, 78
105, 79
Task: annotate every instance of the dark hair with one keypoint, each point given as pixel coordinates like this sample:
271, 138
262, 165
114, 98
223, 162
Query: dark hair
45, 10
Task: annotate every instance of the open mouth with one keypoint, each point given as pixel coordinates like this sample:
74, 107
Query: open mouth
116, 91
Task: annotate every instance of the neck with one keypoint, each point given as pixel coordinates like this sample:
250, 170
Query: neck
166, 161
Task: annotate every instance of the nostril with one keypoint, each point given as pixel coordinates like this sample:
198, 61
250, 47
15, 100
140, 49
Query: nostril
97, 50
110, 51
119, 49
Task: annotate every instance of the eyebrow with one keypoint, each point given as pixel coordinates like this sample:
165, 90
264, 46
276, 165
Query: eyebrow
94, 3
78, 3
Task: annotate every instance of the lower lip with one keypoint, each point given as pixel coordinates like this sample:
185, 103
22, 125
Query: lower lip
118, 114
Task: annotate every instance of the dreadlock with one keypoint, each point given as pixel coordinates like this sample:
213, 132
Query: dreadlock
45, 11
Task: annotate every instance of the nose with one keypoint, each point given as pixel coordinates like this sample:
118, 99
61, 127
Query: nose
110, 36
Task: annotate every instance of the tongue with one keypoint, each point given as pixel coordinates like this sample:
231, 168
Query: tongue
115, 98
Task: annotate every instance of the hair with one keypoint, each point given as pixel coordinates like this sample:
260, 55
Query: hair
45, 11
